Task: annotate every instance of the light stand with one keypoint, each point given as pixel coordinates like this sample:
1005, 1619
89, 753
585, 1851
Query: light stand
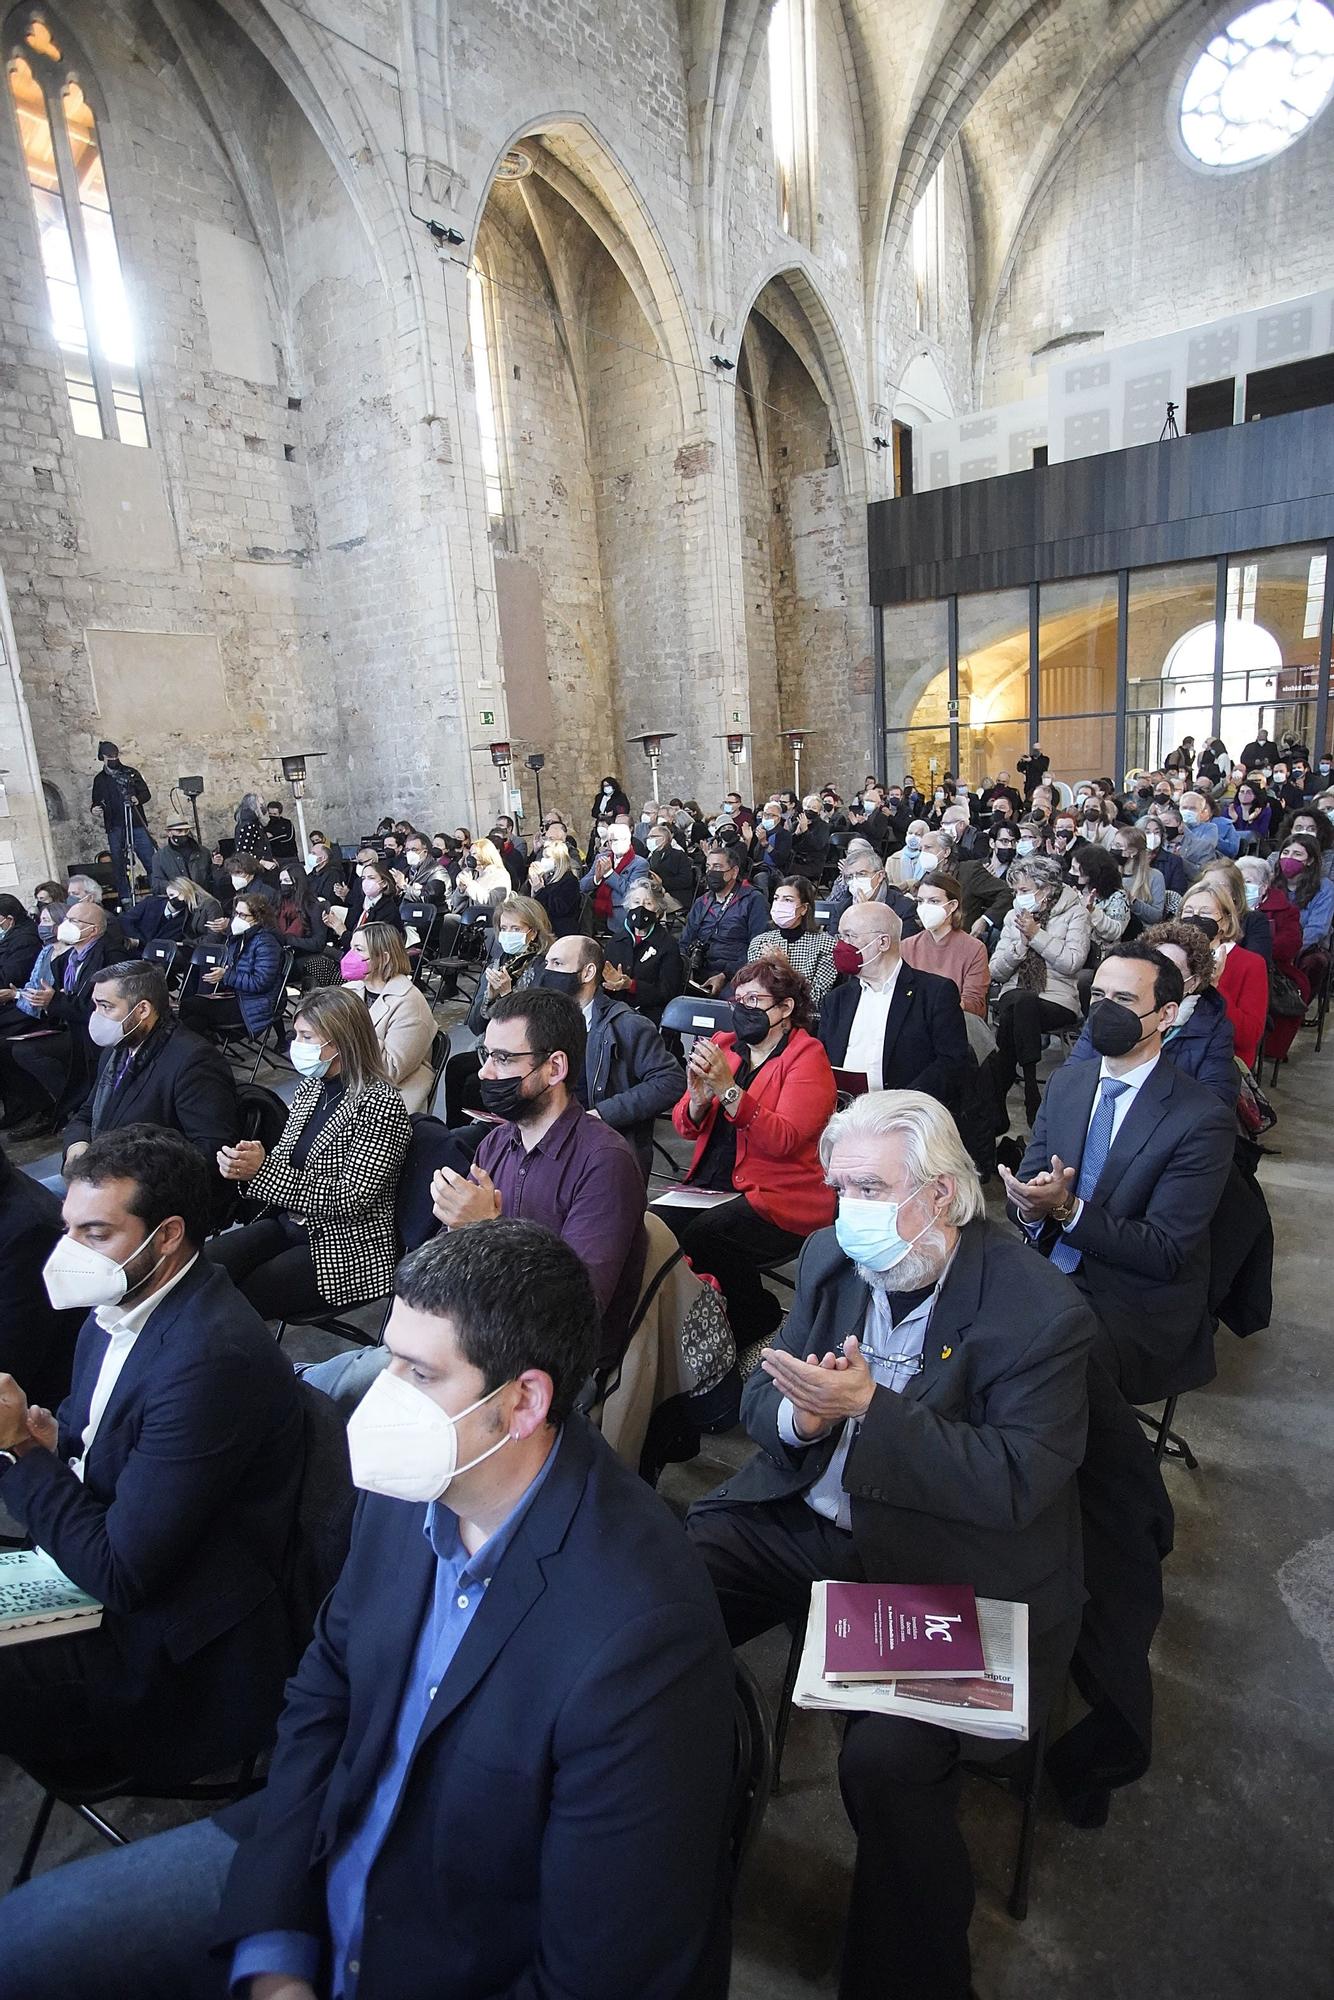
535, 764
653, 740
190, 788
294, 775
502, 758
795, 740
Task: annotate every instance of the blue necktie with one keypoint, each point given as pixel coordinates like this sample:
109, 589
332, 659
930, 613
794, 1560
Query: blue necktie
1096, 1148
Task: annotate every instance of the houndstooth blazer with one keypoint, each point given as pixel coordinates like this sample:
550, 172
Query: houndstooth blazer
345, 1190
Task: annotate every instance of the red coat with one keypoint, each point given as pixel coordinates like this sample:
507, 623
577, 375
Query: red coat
1244, 985
782, 1113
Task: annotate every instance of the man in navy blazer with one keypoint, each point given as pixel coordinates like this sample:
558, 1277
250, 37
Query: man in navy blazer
505, 1761
166, 1487
903, 1029
1136, 1241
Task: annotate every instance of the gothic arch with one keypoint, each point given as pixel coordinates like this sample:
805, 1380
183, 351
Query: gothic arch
820, 347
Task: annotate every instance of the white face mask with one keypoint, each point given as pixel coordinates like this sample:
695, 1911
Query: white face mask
934, 915
68, 932
861, 888
240, 925
306, 1057
784, 914
239, 881
312, 861
104, 1032
1026, 901
402, 1444
78, 1277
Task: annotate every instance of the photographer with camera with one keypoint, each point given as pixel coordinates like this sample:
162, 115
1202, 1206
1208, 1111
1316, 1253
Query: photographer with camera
722, 921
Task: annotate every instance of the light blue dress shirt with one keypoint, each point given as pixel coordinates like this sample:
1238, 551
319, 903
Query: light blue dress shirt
461, 1583
893, 1355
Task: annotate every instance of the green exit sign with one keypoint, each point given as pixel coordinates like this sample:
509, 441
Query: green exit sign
736, 715
488, 718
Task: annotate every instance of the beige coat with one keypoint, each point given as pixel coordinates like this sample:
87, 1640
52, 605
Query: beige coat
405, 1028
1062, 944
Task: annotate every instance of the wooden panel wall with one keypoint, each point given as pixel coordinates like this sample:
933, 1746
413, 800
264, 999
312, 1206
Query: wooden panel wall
1253, 486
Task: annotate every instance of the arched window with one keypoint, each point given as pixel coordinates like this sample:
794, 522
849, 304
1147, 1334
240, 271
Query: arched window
792, 101
482, 340
54, 99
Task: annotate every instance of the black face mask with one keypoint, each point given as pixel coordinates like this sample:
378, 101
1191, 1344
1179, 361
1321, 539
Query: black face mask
1209, 925
750, 1024
180, 839
560, 982
1114, 1029
640, 922
717, 881
1004, 856
502, 1095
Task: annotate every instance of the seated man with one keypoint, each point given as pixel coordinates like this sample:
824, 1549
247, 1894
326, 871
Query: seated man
44, 1066
902, 1030
722, 921
862, 879
549, 1163
987, 894
505, 1761
165, 1486
181, 855
921, 1418
629, 1077
36, 1340
152, 1071
1127, 1163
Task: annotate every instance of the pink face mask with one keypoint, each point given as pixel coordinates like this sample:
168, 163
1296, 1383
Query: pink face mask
1291, 864
353, 965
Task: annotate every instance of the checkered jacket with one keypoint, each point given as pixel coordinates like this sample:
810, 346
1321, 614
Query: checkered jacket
345, 1190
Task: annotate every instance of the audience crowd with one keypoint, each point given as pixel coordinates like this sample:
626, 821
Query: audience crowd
478, 1734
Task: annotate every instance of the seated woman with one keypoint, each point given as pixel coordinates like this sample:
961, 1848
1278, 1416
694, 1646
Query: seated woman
245, 991
323, 1201
794, 936
553, 884
483, 879
184, 913
1256, 931
523, 932
944, 946
1201, 1041
1142, 882
376, 967
1095, 874
1241, 976
1250, 812
1310, 820
380, 897
758, 1097
1042, 947
1300, 878
643, 964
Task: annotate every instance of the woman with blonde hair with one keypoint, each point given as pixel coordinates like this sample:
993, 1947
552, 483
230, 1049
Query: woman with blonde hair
523, 932
484, 880
553, 883
1241, 976
323, 1235
1142, 882
376, 966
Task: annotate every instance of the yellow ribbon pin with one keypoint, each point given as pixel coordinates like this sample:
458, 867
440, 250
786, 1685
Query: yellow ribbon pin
945, 1353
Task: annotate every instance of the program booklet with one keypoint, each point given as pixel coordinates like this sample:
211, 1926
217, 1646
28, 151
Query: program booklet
993, 1703
38, 1601
882, 1631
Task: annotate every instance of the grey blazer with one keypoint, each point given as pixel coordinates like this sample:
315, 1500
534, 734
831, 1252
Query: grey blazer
967, 1475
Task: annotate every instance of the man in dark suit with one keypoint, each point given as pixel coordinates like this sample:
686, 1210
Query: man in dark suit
45, 1069
152, 1071
903, 1030
166, 1486
630, 1077
862, 878
1127, 1163
920, 1419
36, 1341
505, 1760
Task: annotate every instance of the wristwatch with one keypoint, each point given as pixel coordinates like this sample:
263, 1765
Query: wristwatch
731, 1097
1065, 1212
8, 1456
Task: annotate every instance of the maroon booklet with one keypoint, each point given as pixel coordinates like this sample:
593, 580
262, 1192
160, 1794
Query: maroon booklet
882, 1631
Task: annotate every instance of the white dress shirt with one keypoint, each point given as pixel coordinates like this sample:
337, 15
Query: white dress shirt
122, 1327
893, 1355
866, 1036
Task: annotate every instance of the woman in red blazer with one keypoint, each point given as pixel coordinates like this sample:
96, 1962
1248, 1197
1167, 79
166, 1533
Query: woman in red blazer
758, 1099
1242, 977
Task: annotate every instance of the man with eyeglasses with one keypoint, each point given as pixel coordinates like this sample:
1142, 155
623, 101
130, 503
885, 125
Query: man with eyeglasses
920, 1419
548, 1160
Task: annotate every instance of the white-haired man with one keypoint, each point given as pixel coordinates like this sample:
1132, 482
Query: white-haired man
921, 1418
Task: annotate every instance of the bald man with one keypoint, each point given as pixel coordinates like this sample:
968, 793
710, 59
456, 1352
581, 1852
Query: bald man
899, 1028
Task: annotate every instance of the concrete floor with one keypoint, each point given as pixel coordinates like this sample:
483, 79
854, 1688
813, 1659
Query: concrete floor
1214, 1875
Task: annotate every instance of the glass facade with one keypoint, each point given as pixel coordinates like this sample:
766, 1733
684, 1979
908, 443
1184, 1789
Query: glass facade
1109, 673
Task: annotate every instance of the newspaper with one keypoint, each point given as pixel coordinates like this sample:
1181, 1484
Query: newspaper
994, 1704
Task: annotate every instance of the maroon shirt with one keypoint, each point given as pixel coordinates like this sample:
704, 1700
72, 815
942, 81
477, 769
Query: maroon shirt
583, 1182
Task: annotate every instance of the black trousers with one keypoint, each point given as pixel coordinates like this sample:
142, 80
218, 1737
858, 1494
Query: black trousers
912, 1887
211, 1016
730, 1243
35, 1074
270, 1264
1022, 1019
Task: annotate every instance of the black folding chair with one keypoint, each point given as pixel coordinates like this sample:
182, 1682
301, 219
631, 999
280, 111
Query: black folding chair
424, 918
693, 1014
169, 955
246, 1042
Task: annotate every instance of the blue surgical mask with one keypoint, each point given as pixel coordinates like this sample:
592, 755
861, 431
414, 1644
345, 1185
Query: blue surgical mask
306, 1058
1189, 816
512, 942
868, 1231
